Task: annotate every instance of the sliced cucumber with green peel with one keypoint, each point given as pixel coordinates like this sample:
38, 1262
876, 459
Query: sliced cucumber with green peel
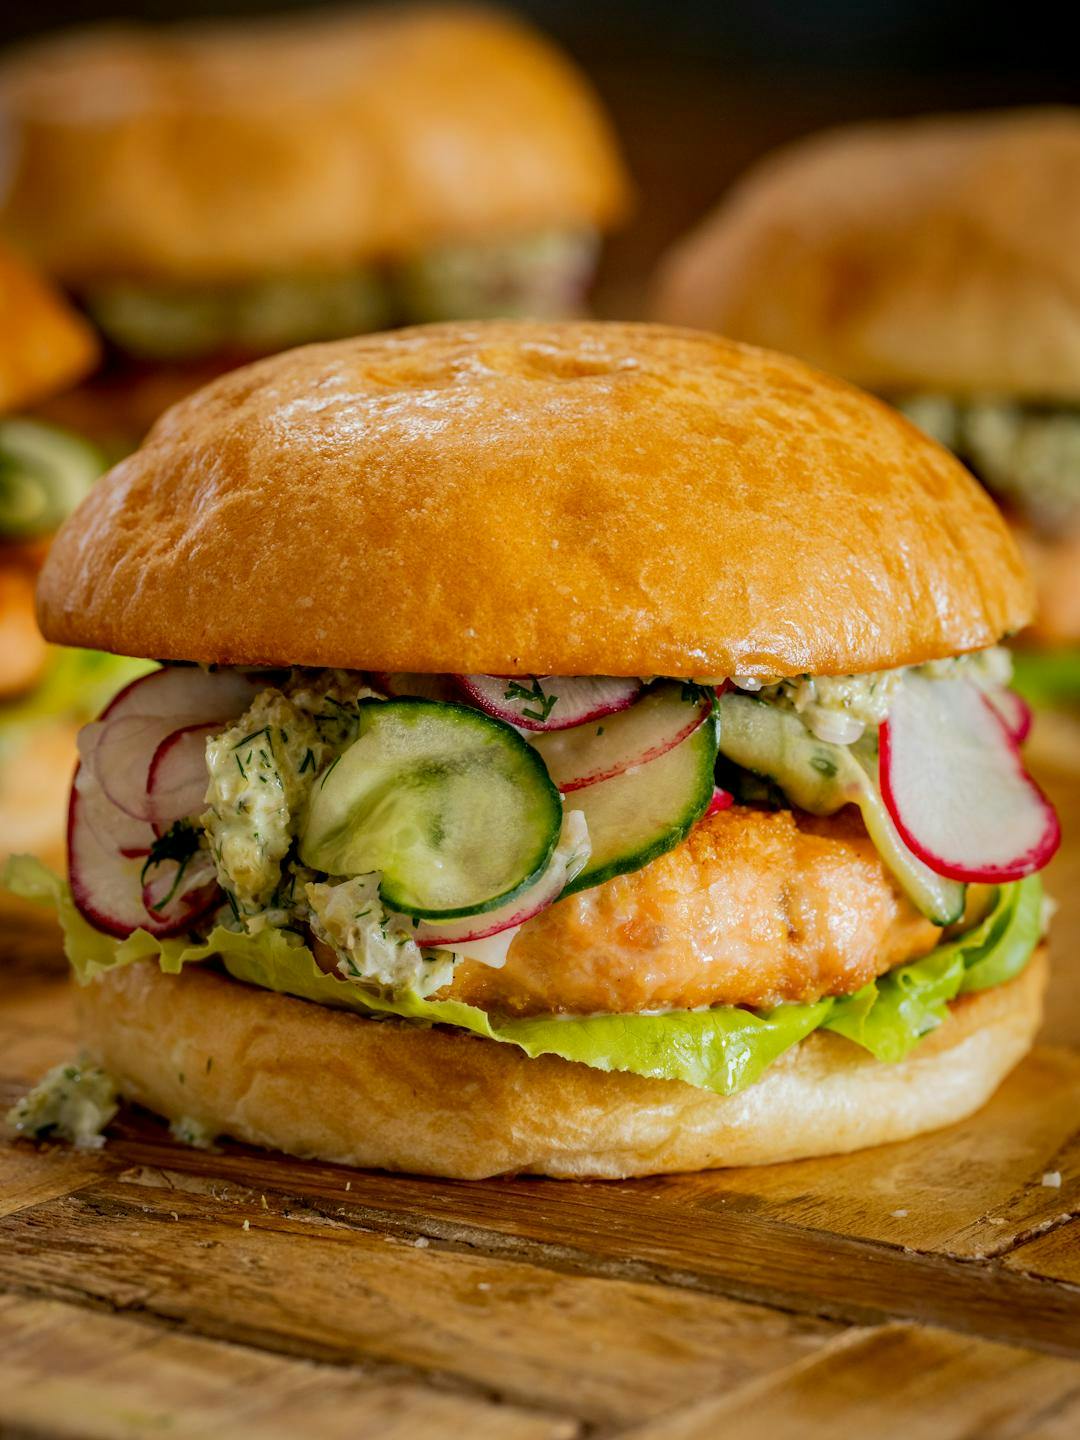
822, 778
644, 812
44, 473
453, 808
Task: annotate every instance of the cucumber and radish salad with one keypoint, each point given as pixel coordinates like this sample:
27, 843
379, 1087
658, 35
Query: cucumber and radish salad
480, 800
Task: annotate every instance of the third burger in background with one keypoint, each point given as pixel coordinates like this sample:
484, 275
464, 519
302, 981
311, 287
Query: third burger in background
214, 193
937, 262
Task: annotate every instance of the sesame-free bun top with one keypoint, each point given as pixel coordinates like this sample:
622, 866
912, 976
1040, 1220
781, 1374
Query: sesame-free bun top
227, 151
44, 344
576, 498
931, 254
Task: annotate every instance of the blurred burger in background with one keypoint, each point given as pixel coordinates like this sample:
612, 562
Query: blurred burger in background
937, 262
45, 692
210, 194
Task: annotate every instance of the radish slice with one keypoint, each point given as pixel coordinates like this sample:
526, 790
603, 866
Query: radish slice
721, 800
571, 855
587, 754
119, 748
427, 687
186, 690
550, 702
119, 756
106, 885
177, 779
955, 785
1014, 711
114, 829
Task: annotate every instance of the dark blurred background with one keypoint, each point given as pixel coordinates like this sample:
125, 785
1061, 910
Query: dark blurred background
699, 88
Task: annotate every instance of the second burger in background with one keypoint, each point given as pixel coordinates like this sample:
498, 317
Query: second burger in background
937, 262
214, 193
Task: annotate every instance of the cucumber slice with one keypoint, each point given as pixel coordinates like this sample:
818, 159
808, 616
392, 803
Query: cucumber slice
452, 807
44, 473
646, 811
822, 778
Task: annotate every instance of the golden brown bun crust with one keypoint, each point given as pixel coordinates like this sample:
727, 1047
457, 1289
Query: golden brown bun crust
227, 151
44, 344
293, 1076
577, 498
939, 254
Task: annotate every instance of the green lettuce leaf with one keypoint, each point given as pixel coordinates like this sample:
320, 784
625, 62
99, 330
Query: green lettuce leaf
1047, 678
724, 1049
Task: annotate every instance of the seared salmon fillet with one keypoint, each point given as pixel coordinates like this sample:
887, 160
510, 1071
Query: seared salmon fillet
754, 908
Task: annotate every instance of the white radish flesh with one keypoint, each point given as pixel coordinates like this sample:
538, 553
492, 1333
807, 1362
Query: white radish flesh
119, 748
106, 884
177, 779
1014, 711
586, 754
550, 702
954, 782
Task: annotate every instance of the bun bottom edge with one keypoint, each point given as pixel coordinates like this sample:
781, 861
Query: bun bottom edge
288, 1075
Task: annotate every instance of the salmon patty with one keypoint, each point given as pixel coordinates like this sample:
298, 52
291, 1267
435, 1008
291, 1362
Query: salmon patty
754, 908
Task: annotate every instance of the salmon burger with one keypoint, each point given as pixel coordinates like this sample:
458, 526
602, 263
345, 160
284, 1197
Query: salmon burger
579, 749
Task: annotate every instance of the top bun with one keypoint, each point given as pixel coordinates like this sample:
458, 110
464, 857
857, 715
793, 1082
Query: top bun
44, 344
510, 498
935, 254
223, 152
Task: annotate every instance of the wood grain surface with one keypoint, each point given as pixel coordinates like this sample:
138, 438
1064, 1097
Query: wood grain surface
925, 1289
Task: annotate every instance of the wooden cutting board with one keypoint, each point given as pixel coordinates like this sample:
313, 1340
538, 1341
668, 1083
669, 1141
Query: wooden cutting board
930, 1288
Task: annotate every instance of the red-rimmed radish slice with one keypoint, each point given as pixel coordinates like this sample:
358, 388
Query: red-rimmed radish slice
1014, 711
177, 779
186, 690
721, 800
570, 856
106, 884
550, 702
586, 754
114, 829
954, 783
118, 748
119, 757
427, 687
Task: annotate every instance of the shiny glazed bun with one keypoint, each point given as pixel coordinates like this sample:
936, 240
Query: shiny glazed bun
931, 254
577, 498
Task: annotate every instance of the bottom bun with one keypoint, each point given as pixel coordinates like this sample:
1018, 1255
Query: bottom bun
325, 1084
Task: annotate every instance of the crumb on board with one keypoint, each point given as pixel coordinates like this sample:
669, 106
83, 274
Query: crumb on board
73, 1102
1052, 1179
